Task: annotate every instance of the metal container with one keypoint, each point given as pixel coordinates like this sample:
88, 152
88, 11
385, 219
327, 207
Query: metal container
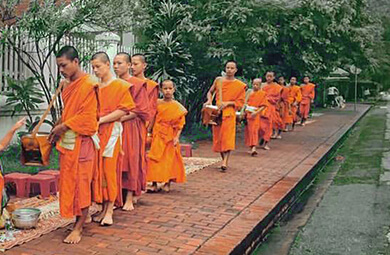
25, 218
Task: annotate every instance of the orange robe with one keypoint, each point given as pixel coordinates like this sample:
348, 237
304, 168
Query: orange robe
285, 106
115, 96
224, 135
256, 99
308, 94
165, 161
273, 92
295, 98
152, 88
1, 187
134, 140
78, 154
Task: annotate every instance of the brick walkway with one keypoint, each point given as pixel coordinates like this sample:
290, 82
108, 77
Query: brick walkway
213, 212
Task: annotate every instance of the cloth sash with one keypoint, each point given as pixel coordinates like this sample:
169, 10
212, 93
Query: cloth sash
115, 135
68, 140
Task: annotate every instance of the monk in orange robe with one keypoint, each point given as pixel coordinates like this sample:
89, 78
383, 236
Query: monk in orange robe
308, 94
295, 98
3, 145
78, 154
165, 163
138, 67
285, 104
134, 130
233, 98
256, 104
115, 102
273, 91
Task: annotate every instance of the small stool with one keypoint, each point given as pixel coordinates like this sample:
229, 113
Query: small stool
45, 182
187, 148
20, 181
55, 173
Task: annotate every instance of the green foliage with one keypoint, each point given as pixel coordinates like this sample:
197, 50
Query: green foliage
45, 24
11, 161
24, 95
290, 37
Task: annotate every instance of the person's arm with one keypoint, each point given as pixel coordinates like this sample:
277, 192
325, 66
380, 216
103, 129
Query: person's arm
8, 137
227, 104
111, 117
258, 111
130, 116
177, 137
150, 126
210, 95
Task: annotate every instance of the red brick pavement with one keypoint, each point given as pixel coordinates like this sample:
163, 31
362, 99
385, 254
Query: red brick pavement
213, 211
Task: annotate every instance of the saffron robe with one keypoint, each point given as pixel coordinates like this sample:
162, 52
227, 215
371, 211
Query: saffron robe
152, 88
295, 98
134, 140
107, 183
224, 135
273, 92
1, 185
256, 99
308, 94
78, 155
165, 162
285, 106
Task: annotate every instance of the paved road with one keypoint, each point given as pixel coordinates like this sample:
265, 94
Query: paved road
354, 218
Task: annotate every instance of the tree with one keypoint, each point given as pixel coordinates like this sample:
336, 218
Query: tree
45, 24
289, 37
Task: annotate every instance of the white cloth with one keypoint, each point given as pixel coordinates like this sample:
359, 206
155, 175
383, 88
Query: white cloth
250, 109
68, 140
115, 135
96, 141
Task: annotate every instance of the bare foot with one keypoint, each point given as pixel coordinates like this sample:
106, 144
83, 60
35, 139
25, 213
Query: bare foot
88, 219
107, 220
135, 200
152, 188
128, 206
99, 217
74, 237
266, 147
167, 187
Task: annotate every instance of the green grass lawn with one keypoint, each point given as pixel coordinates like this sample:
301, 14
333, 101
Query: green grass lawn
363, 150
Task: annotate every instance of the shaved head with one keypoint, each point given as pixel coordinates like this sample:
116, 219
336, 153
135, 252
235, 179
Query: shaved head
68, 52
141, 57
125, 55
102, 56
257, 80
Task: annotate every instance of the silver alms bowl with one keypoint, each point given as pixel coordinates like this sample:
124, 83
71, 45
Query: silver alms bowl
25, 218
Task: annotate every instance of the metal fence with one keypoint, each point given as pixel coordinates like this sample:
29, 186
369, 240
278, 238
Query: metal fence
14, 63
